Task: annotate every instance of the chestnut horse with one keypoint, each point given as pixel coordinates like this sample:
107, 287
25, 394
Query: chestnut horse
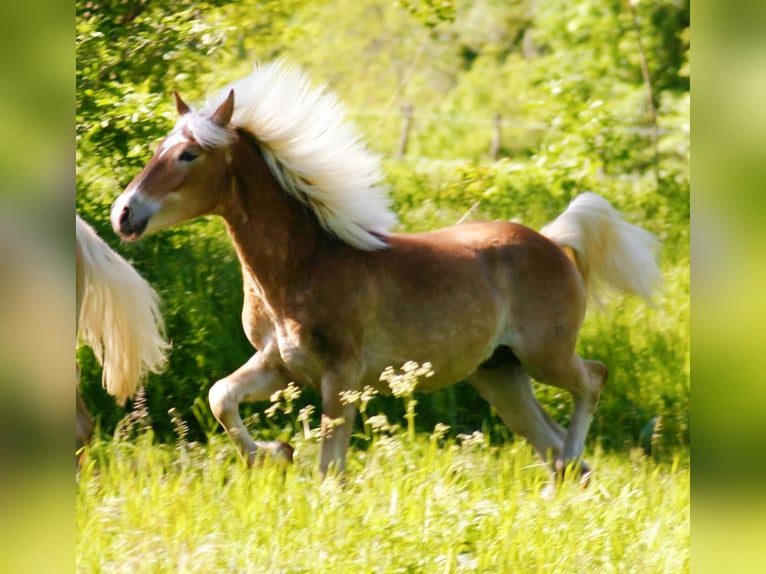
118, 317
332, 297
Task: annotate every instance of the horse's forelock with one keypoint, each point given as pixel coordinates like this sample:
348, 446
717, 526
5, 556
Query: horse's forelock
204, 131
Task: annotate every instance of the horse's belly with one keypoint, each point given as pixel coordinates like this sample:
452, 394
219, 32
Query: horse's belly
453, 356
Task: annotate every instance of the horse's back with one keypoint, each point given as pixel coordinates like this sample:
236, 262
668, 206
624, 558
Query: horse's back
511, 253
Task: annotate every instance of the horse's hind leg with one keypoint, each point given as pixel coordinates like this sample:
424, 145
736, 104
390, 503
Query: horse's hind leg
508, 388
256, 380
585, 390
584, 379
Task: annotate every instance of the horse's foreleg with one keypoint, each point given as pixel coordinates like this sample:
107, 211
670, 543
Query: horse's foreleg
84, 423
337, 423
508, 389
256, 380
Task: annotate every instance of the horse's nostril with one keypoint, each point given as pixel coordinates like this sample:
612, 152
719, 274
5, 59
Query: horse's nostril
125, 215
129, 224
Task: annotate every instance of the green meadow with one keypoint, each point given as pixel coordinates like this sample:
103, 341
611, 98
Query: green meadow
423, 505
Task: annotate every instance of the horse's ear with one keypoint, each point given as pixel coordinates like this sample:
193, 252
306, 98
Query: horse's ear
222, 115
180, 104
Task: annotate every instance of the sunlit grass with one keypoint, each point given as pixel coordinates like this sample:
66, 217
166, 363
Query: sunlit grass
422, 504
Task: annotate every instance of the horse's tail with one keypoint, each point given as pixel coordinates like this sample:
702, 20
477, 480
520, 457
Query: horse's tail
119, 318
608, 251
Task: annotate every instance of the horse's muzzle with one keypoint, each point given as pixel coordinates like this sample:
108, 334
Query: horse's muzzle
128, 226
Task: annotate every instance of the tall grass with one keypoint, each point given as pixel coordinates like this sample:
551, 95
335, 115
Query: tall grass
408, 503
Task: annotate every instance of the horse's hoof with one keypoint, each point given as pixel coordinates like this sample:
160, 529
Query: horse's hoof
276, 451
79, 459
283, 451
562, 471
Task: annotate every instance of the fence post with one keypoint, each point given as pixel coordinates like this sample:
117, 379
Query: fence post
406, 123
495, 146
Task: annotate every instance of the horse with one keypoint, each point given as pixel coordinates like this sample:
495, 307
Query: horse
118, 317
332, 296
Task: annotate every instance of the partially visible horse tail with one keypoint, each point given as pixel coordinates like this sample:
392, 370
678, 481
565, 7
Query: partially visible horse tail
608, 251
119, 317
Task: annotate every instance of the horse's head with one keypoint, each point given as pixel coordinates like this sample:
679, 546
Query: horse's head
185, 177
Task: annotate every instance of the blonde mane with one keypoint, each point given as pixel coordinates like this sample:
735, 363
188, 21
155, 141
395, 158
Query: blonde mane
315, 155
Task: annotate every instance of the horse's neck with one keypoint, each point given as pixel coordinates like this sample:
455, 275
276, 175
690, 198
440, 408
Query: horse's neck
272, 233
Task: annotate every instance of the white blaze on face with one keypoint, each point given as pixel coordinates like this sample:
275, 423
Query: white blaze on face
176, 137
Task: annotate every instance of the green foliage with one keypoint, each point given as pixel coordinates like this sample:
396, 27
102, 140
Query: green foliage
123, 72
430, 12
566, 80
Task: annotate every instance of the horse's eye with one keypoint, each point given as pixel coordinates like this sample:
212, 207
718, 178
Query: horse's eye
188, 155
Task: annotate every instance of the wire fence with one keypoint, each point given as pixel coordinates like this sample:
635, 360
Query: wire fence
495, 124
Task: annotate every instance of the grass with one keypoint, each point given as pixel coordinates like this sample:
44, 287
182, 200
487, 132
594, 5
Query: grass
406, 504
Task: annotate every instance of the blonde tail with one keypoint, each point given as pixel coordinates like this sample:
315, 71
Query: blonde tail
608, 251
119, 318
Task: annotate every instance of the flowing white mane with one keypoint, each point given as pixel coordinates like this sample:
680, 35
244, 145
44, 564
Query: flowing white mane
315, 155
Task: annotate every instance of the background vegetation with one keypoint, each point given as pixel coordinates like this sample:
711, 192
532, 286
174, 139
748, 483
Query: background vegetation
592, 95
